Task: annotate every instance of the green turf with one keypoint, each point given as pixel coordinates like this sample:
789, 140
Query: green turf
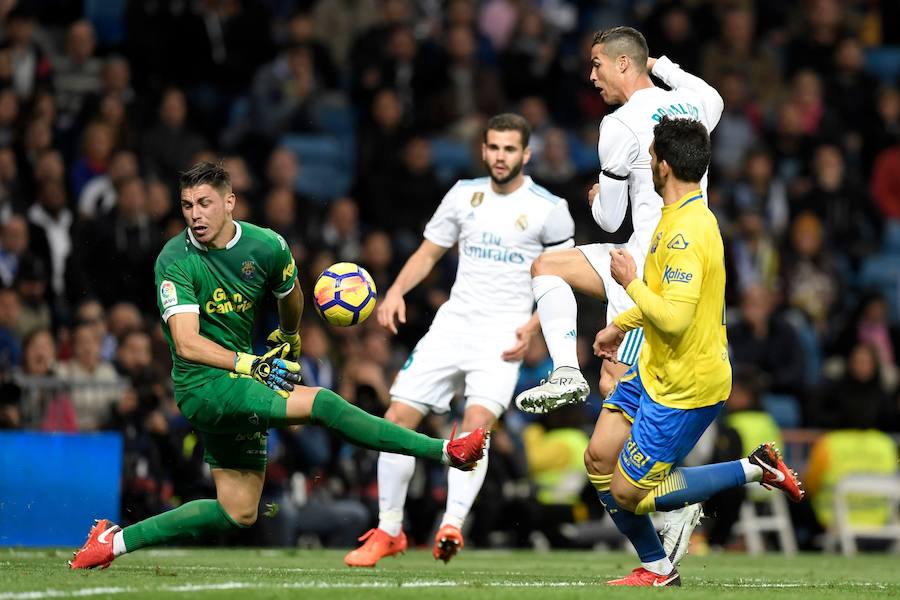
250, 574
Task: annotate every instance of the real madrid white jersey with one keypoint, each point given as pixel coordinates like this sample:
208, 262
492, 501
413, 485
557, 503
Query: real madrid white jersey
499, 237
624, 150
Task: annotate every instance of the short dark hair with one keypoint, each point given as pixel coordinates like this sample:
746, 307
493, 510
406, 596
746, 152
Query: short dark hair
509, 122
684, 144
624, 40
213, 174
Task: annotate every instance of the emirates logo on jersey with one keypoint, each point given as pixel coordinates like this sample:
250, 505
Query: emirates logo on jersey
522, 223
477, 199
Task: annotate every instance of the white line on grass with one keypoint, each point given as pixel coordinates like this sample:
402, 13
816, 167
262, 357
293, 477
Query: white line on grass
415, 583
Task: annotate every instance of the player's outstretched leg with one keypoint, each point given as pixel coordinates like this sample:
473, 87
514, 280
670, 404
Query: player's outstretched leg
677, 530
366, 431
192, 520
566, 385
689, 485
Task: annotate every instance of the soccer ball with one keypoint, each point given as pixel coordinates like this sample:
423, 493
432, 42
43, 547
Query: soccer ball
344, 294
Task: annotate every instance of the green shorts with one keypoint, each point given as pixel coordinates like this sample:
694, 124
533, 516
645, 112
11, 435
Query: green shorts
232, 413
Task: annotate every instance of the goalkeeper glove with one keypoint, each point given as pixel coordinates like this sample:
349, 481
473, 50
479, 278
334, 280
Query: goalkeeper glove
280, 336
270, 369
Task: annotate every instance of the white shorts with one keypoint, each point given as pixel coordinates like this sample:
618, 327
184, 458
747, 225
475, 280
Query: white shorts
617, 299
441, 365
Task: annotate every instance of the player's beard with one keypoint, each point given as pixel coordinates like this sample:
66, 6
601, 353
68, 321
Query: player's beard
513, 172
658, 182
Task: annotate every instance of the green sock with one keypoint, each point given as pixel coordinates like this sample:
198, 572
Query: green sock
189, 521
364, 430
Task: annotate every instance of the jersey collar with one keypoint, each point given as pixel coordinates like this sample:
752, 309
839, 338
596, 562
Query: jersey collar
689, 197
230, 244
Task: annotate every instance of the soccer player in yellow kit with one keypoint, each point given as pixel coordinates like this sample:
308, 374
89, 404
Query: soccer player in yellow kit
663, 405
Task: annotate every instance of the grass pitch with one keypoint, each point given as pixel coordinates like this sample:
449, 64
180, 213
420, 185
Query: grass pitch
256, 573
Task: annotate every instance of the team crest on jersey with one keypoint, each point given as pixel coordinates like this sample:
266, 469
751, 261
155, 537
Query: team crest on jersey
656, 243
522, 223
678, 243
477, 199
248, 269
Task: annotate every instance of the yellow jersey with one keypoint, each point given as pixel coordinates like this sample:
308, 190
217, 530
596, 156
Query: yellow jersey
685, 264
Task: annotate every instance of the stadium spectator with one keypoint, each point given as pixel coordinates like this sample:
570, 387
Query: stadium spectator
170, 145
30, 63
811, 280
77, 73
32, 283
340, 233
761, 191
98, 196
761, 337
13, 247
133, 356
753, 252
10, 346
94, 380
859, 391
885, 185
841, 203
735, 49
48, 400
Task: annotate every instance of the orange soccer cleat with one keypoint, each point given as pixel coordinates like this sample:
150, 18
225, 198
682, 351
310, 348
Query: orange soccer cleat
98, 549
776, 474
447, 543
464, 452
378, 544
641, 577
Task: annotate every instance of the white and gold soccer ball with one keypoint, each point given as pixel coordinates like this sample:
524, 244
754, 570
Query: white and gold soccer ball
344, 294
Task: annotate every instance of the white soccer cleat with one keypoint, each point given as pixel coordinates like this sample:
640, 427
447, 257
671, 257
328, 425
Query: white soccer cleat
677, 530
566, 386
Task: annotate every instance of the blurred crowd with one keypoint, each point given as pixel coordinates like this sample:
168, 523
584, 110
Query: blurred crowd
343, 123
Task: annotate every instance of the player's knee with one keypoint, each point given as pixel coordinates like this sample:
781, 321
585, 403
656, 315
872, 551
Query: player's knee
607, 383
542, 265
403, 415
244, 516
625, 495
596, 463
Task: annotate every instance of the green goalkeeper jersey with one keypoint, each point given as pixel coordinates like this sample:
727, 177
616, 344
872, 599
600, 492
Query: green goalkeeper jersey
224, 286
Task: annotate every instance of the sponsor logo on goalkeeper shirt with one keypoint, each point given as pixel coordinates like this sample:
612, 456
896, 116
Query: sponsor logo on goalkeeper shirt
677, 275
222, 303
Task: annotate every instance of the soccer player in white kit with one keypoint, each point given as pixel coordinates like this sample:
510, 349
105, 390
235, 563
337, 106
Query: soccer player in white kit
478, 337
620, 70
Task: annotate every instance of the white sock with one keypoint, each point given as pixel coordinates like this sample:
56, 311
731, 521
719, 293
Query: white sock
119, 544
394, 473
662, 566
462, 487
558, 312
751, 472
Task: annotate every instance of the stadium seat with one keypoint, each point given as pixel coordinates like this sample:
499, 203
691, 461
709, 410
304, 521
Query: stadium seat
843, 534
882, 272
892, 237
326, 164
335, 116
108, 19
765, 512
450, 158
883, 62
784, 408
812, 351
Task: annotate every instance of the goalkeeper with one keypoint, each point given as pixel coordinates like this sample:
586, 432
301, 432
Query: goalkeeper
210, 280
